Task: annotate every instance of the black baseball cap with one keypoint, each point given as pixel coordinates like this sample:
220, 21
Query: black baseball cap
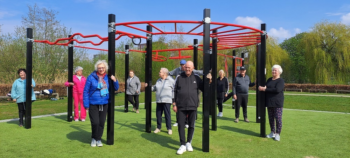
242, 68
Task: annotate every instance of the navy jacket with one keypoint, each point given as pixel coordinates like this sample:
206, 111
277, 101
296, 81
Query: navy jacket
92, 95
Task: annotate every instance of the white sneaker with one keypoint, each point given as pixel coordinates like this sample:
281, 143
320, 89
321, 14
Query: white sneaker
93, 142
189, 147
76, 120
157, 130
181, 150
277, 137
220, 114
271, 135
170, 132
99, 143
83, 120
175, 124
186, 126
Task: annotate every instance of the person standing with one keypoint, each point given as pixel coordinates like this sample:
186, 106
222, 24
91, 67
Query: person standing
222, 90
18, 93
78, 88
185, 104
240, 89
164, 88
274, 98
96, 99
133, 90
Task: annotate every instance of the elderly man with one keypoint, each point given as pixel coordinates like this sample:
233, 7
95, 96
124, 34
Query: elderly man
185, 104
240, 89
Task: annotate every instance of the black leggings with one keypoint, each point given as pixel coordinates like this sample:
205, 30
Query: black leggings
134, 100
220, 101
21, 111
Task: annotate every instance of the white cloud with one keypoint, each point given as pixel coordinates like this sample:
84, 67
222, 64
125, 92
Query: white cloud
5, 14
334, 14
249, 21
345, 19
297, 30
280, 33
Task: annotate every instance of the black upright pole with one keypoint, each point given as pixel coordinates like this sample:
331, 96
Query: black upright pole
126, 106
70, 79
257, 84
111, 71
262, 81
195, 53
148, 92
206, 92
28, 117
233, 75
214, 82
242, 56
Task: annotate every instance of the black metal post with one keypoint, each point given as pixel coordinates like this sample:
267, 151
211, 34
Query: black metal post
214, 82
262, 81
148, 72
70, 79
126, 106
242, 56
111, 71
233, 75
206, 91
257, 84
195, 53
28, 115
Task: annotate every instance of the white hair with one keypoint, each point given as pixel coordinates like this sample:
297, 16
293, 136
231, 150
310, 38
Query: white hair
164, 70
278, 67
222, 71
101, 62
78, 68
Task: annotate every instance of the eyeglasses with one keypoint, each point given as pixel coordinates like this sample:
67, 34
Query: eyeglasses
101, 68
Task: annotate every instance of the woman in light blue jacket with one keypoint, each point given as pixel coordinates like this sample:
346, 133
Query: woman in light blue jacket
18, 94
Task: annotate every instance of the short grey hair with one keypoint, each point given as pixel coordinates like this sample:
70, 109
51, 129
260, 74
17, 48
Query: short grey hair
165, 70
101, 62
222, 71
278, 67
78, 68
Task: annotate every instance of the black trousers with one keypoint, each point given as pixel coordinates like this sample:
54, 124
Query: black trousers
242, 100
220, 102
181, 116
159, 112
97, 114
21, 111
134, 100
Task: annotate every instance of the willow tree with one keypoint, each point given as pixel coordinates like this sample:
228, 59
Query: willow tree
327, 49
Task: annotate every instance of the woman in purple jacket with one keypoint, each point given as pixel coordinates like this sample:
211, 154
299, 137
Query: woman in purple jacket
96, 97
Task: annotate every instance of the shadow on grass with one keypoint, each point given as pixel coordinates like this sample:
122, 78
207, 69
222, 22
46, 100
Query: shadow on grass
62, 117
136, 126
238, 130
79, 135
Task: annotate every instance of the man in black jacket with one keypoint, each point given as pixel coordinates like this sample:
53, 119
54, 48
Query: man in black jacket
185, 103
240, 89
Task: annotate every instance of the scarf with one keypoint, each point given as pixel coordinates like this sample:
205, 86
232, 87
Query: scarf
102, 85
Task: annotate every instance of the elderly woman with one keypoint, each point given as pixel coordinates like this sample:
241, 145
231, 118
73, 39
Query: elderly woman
18, 94
164, 97
274, 101
222, 90
78, 88
96, 97
133, 90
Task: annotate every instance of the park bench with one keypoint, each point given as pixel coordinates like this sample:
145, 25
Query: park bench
318, 90
293, 89
342, 91
53, 95
5, 98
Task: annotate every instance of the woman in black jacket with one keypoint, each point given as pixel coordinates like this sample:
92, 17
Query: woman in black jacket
222, 89
274, 101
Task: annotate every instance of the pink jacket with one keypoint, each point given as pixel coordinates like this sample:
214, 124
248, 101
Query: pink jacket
78, 84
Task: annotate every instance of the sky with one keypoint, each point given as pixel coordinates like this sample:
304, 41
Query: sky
283, 19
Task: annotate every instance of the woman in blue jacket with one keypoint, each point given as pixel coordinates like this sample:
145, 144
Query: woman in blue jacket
96, 97
18, 94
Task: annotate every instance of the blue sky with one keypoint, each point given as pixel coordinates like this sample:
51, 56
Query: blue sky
283, 18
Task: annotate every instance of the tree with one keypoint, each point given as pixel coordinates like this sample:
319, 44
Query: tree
327, 50
299, 67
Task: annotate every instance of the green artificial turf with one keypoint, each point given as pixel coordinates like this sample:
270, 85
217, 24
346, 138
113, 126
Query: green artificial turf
304, 134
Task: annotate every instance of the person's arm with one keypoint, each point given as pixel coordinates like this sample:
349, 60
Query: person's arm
174, 94
227, 86
138, 85
234, 86
86, 93
198, 72
251, 84
172, 72
66, 84
14, 94
278, 88
116, 85
33, 83
199, 83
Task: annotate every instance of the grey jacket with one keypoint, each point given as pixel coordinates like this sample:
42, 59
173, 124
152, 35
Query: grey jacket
133, 86
241, 84
178, 71
164, 90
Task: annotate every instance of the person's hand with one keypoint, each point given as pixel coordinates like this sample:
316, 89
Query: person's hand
14, 100
174, 107
32, 85
235, 97
225, 95
113, 78
71, 83
262, 88
209, 76
137, 91
146, 84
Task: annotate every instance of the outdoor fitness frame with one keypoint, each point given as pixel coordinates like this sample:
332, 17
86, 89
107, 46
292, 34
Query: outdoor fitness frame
229, 39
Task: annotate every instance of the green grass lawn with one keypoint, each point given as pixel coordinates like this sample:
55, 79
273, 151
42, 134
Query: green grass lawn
304, 133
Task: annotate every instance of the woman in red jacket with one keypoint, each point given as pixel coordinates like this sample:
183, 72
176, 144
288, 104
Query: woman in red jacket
78, 88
